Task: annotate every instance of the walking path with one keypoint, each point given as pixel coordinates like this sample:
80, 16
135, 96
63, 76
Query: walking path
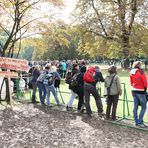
29, 125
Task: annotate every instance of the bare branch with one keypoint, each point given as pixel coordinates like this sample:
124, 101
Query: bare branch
133, 13
28, 23
29, 6
4, 30
7, 12
99, 34
102, 26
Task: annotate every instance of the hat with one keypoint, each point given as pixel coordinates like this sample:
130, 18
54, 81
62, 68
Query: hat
112, 69
137, 64
48, 66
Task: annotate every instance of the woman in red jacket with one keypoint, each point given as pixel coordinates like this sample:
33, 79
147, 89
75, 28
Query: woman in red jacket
139, 86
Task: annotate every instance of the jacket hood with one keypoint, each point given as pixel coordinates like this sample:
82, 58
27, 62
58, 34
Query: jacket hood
133, 71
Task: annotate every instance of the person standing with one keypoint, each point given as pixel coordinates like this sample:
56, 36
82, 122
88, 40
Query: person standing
69, 75
91, 77
138, 82
113, 90
64, 68
49, 84
41, 86
35, 74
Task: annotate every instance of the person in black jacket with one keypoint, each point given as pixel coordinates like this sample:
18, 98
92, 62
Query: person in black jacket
75, 70
90, 88
79, 89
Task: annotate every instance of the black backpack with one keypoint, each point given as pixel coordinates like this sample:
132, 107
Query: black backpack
68, 77
75, 82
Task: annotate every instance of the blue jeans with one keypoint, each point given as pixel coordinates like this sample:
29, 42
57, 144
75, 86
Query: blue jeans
139, 99
49, 89
42, 92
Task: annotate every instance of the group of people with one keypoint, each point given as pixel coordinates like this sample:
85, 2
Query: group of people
82, 83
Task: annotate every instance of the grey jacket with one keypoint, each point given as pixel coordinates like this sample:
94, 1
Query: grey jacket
115, 88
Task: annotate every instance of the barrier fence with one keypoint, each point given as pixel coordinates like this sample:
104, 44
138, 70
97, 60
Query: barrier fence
122, 119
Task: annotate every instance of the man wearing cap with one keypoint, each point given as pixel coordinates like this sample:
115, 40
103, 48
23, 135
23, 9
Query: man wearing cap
138, 82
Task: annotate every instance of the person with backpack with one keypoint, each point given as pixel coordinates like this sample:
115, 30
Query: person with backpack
41, 86
78, 83
91, 77
138, 82
49, 84
113, 90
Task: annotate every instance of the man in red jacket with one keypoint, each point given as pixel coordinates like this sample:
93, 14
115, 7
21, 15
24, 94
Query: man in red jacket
139, 86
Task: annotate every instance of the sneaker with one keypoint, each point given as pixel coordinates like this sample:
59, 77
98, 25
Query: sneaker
82, 110
59, 104
136, 124
107, 118
142, 125
69, 108
78, 111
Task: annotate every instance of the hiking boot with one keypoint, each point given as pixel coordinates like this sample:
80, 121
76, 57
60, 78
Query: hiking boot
101, 114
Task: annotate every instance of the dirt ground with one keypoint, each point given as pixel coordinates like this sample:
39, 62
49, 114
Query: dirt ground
35, 126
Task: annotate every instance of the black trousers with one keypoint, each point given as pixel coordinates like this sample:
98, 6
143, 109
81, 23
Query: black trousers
112, 102
91, 89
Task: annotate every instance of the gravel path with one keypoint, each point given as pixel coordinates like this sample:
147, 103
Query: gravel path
28, 126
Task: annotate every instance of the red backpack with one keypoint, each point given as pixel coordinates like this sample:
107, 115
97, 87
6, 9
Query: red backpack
89, 75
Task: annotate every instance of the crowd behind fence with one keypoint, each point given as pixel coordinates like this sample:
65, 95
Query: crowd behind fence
124, 109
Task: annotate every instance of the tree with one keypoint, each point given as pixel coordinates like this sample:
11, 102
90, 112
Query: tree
18, 20
61, 42
111, 19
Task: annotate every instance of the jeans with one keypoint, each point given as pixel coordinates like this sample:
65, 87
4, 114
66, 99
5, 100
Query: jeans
42, 92
139, 99
49, 89
71, 99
